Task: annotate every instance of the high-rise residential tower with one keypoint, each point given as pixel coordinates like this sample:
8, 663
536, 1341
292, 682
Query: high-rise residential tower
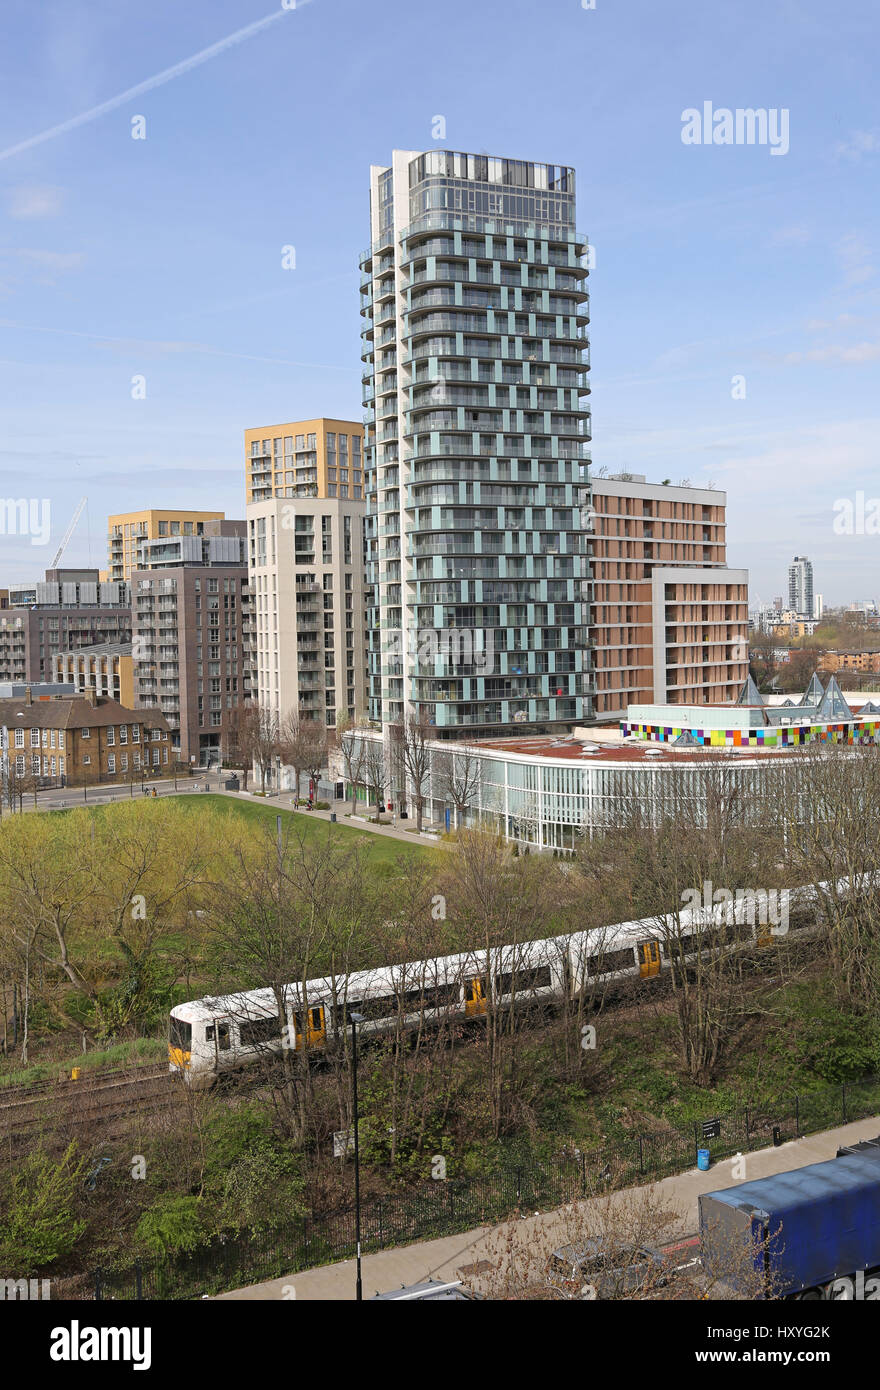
800, 587
305, 517
475, 348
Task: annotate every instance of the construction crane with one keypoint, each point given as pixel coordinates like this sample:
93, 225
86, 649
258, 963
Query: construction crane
69, 532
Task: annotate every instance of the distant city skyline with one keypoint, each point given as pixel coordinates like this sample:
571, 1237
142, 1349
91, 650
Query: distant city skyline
161, 294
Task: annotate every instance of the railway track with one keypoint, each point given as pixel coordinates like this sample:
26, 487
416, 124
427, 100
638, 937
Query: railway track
96, 1102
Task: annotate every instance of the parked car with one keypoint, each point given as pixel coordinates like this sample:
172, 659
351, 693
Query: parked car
589, 1270
431, 1290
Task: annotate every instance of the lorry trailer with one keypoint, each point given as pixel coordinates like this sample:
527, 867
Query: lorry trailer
793, 1235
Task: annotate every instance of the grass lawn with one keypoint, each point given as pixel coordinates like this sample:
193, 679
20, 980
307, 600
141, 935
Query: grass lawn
381, 849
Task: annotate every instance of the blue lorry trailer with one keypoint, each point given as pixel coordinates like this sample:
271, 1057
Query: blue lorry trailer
793, 1234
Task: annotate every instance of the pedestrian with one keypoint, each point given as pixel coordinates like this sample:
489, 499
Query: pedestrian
155, 793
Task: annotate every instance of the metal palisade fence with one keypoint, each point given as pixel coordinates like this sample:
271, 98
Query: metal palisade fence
453, 1205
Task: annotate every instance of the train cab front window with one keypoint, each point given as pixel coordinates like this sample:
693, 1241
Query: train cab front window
220, 1033
180, 1034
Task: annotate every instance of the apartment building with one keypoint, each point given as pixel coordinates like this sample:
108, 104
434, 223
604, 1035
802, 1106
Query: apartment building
475, 347
128, 530
306, 559
308, 458
66, 611
670, 619
107, 669
800, 587
850, 661
82, 739
191, 636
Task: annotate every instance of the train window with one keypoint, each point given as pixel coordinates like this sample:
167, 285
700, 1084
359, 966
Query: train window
476, 989
259, 1030
439, 996
609, 961
411, 1001
222, 1032
180, 1033
521, 981
385, 1007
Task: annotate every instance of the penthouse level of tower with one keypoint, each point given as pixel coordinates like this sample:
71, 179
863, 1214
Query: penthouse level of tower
475, 348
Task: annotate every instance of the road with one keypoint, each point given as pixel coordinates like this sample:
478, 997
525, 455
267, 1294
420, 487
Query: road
59, 798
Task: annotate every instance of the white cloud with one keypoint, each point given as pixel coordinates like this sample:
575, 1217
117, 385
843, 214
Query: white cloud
854, 255
791, 236
859, 144
53, 260
33, 201
853, 355
826, 325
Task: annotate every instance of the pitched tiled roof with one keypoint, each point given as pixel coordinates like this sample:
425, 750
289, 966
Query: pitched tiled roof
74, 713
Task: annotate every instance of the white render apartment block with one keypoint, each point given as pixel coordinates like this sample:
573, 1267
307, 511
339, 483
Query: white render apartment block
306, 564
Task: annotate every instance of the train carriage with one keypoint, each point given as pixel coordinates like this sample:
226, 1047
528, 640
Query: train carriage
210, 1036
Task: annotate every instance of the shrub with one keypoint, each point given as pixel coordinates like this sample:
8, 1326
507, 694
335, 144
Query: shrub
171, 1225
836, 1044
39, 1224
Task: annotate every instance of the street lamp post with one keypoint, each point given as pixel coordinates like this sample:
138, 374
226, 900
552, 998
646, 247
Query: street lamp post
355, 1020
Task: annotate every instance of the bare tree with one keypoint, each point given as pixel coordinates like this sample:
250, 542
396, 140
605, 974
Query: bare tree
831, 812
316, 747
266, 741
458, 772
303, 742
353, 748
662, 861
374, 772
414, 742
287, 913
497, 899
242, 738
595, 1249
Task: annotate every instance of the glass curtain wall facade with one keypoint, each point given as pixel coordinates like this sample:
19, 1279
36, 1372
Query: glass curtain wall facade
475, 353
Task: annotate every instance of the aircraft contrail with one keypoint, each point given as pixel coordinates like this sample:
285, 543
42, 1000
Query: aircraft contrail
167, 75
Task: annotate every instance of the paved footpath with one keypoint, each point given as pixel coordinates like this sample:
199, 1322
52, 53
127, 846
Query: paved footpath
284, 802
442, 1259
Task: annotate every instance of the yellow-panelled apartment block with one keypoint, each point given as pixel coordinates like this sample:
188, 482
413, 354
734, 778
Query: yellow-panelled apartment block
126, 531
309, 458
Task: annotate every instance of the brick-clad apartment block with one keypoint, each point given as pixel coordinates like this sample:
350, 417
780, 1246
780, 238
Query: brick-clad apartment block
670, 620
84, 739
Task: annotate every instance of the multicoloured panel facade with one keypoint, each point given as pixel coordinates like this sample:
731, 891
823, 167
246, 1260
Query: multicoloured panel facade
852, 732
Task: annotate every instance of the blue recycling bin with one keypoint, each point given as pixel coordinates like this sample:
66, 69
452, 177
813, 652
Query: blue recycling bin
703, 1160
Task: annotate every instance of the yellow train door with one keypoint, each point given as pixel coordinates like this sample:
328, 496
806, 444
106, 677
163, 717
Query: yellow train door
475, 996
311, 1030
649, 958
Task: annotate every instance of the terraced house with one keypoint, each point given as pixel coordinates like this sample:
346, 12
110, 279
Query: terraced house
83, 740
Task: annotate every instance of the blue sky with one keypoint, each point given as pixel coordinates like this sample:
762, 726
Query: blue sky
162, 257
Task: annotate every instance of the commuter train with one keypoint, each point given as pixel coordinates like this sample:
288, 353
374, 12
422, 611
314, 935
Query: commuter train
211, 1036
